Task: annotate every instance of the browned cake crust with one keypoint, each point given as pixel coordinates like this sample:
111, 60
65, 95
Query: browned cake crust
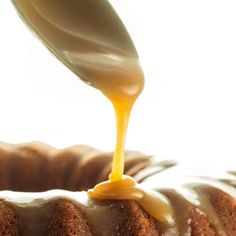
38, 167
35, 167
67, 219
8, 220
225, 207
131, 219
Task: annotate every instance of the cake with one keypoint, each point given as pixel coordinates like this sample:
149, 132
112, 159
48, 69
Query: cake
31, 204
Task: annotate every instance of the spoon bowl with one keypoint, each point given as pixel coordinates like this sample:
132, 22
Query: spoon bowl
86, 35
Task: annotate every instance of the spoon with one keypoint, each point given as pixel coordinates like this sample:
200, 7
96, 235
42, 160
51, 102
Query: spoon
84, 34
90, 39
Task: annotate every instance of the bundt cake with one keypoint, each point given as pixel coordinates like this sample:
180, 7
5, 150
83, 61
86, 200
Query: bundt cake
202, 204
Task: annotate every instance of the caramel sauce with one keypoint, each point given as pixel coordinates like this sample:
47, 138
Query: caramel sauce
127, 188
74, 35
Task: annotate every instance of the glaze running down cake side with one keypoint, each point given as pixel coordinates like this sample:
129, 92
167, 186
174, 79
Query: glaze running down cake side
202, 204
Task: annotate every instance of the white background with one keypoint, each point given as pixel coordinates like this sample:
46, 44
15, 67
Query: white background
186, 112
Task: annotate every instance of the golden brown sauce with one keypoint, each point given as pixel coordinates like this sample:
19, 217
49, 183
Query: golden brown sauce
106, 61
127, 188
